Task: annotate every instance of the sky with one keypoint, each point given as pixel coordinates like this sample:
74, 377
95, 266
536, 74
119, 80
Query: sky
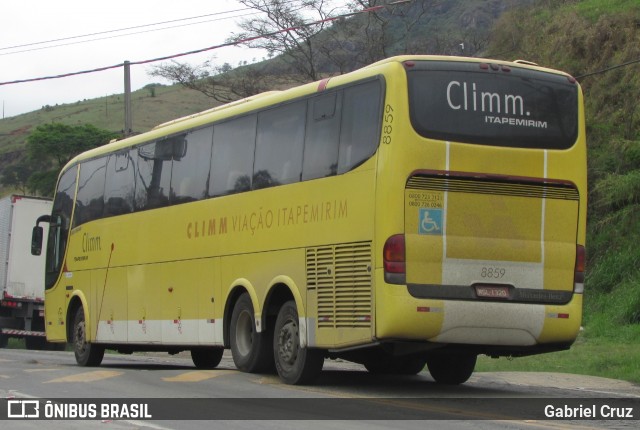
24, 24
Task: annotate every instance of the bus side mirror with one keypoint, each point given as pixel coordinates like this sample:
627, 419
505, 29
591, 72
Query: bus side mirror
37, 235
36, 240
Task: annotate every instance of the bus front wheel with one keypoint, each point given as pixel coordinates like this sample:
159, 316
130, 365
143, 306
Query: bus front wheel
251, 350
87, 354
295, 365
451, 369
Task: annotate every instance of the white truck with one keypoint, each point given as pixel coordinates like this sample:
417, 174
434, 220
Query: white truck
21, 274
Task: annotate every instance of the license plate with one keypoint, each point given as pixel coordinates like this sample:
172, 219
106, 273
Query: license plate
492, 292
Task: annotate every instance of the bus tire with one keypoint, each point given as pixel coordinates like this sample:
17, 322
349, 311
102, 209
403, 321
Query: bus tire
87, 354
206, 358
451, 369
251, 351
295, 365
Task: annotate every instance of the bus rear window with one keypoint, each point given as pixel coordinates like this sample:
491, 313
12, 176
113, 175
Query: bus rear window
512, 107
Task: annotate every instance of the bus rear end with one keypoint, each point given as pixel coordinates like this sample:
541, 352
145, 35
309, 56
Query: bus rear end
485, 254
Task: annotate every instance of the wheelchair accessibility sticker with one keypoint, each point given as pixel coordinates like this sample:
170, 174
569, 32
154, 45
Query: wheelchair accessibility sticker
430, 221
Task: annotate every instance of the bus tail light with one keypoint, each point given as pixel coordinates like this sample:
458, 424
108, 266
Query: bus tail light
578, 279
395, 260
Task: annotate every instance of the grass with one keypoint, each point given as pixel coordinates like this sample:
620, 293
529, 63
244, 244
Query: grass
609, 357
593, 9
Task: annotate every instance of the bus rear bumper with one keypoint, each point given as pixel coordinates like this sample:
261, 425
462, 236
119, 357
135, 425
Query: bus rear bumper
503, 326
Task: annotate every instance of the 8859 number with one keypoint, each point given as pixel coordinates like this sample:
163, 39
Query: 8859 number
493, 272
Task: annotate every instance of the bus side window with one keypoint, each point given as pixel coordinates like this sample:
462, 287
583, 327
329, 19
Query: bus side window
322, 136
90, 198
279, 145
360, 131
191, 163
154, 175
232, 156
119, 187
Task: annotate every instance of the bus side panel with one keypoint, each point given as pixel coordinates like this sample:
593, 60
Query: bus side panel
145, 304
180, 295
55, 308
108, 313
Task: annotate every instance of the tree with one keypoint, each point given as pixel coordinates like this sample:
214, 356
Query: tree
394, 28
287, 29
54, 145
222, 83
17, 175
61, 142
306, 41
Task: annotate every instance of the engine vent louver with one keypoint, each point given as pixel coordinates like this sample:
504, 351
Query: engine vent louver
341, 274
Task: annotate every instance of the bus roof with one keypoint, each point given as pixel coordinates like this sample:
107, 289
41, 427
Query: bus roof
274, 97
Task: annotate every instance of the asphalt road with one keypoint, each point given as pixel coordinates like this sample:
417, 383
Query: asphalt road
346, 396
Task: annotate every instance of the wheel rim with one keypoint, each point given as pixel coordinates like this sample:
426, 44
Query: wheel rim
244, 333
288, 344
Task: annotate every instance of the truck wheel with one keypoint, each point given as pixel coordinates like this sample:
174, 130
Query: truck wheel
87, 354
206, 358
451, 369
251, 350
295, 365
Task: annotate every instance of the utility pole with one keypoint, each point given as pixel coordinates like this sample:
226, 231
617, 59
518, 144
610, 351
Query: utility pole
128, 117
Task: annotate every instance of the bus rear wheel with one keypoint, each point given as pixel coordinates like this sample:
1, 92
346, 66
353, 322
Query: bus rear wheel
251, 350
295, 365
207, 358
87, 354
451, 369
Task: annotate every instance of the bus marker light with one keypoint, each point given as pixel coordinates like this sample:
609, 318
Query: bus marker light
428, 309
560, 316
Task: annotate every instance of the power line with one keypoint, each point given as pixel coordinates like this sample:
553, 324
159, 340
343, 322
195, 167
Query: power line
116, 35
62, 39
197, 51
618, 66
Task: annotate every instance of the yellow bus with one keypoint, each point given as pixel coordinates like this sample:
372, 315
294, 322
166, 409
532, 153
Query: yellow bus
418, 211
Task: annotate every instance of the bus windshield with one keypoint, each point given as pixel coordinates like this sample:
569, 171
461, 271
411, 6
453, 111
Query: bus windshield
491, 104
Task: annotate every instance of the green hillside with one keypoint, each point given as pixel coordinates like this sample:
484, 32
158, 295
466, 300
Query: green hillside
152, 105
